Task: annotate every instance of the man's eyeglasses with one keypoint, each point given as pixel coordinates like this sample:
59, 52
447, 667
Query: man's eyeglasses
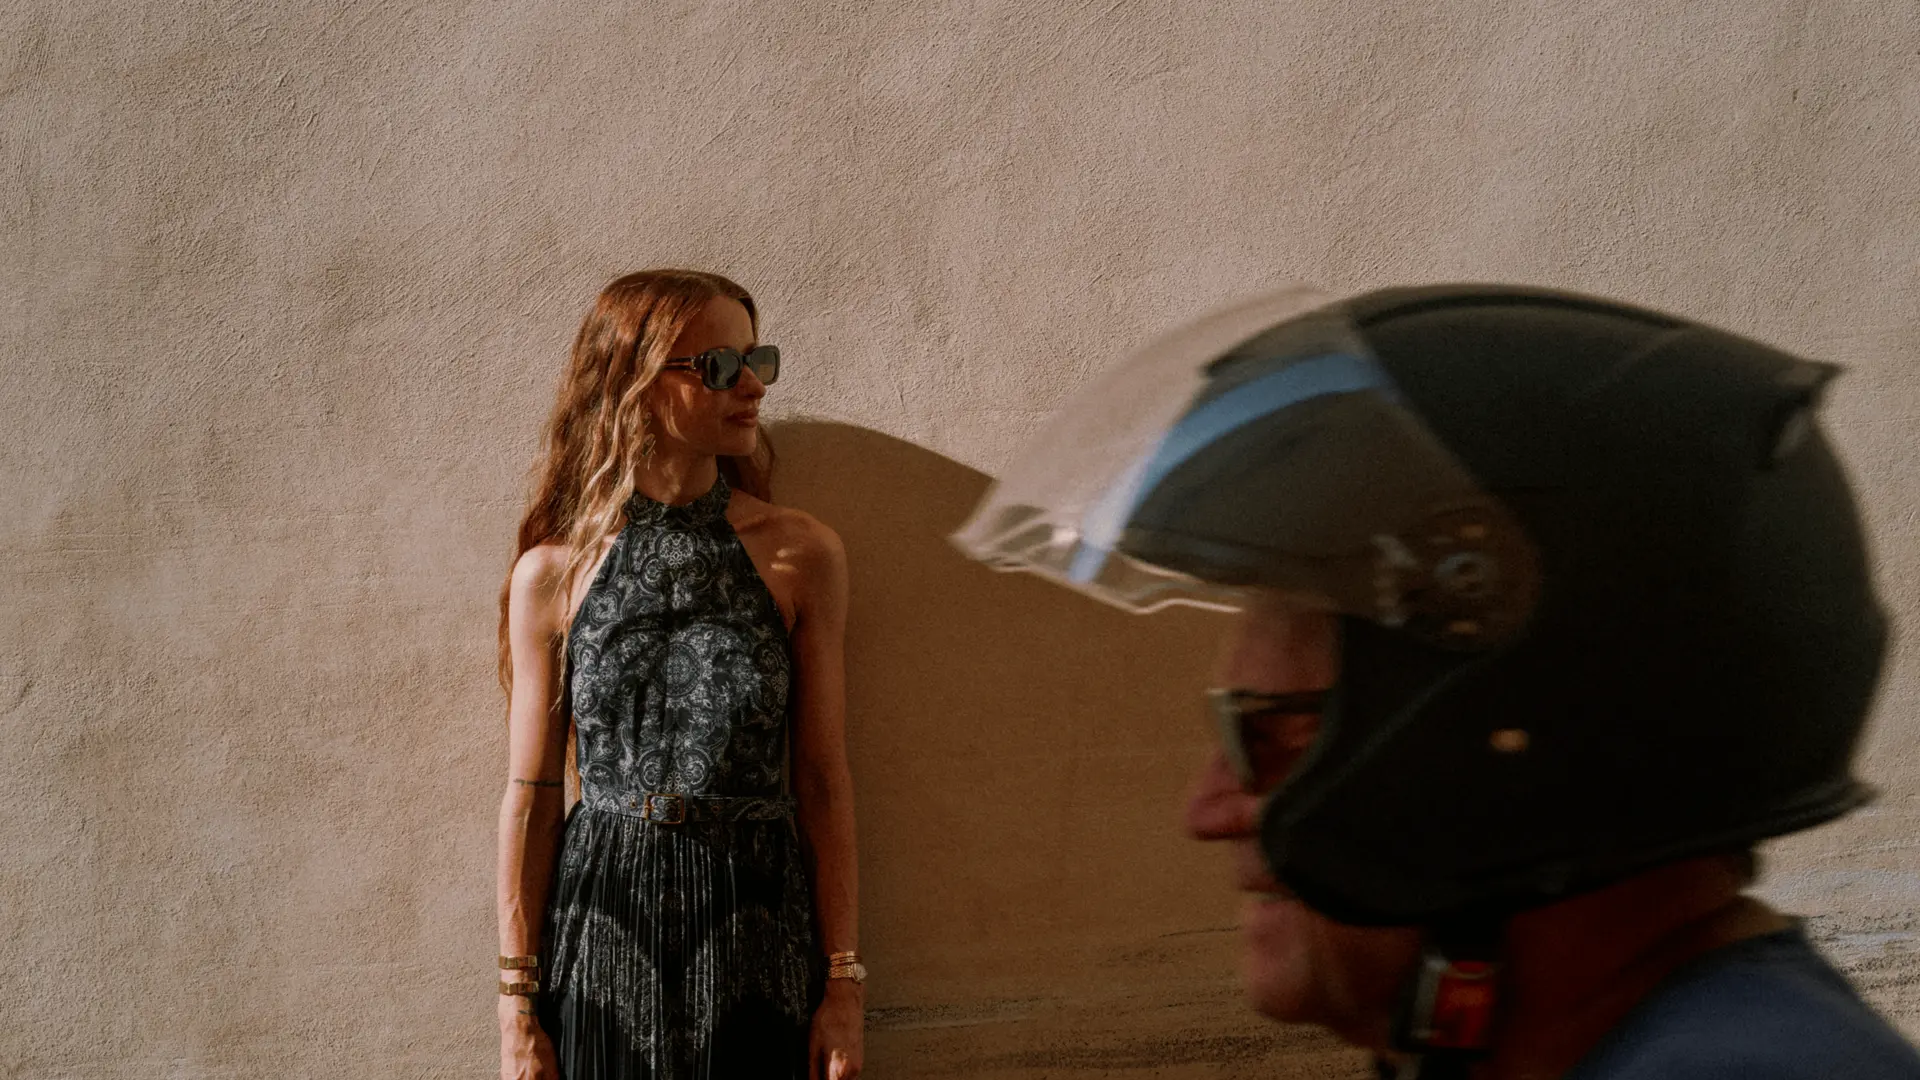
1264, 735
719, 369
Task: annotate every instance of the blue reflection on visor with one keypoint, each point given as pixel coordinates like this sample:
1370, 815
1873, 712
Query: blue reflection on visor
1335, 373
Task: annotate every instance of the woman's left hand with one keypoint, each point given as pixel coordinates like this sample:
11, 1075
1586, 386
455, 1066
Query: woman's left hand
839, 1032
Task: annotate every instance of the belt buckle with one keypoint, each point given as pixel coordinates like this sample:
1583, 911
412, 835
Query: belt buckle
679, 809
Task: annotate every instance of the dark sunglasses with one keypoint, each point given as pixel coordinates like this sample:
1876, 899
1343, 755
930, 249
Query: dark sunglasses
719, 369
1263, 736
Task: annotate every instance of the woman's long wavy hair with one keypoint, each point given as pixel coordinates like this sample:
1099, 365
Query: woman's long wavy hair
592, 444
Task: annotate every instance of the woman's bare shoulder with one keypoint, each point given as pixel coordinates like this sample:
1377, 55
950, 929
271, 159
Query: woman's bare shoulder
541, 566
804, 538
537, 582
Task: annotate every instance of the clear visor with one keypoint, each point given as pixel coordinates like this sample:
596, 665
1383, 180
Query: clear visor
1262, 446
1059, 509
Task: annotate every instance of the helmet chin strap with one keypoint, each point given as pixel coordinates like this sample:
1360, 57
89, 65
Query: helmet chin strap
1447, 1011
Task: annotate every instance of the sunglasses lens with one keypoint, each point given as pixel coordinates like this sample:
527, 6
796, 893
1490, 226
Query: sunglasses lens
1231, 732
765, 362
723, 368
1264, 741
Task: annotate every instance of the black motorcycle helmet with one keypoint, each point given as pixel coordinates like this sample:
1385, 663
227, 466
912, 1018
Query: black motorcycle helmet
1604, 596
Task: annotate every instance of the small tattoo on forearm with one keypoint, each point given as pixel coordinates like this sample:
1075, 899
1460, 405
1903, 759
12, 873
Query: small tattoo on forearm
537, 783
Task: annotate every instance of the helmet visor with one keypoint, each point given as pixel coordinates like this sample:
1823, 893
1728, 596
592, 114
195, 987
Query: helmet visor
1262, 446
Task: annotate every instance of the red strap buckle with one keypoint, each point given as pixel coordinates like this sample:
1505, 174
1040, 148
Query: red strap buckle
1452, 1006
1458, 999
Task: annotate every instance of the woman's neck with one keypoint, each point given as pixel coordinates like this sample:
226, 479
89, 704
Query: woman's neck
676, 477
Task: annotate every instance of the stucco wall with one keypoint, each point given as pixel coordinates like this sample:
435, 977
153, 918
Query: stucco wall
285, 292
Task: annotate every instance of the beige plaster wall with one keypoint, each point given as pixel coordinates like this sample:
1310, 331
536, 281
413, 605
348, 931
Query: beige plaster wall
283, 292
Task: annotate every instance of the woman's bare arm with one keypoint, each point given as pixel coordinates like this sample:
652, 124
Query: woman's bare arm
823, 785
533, 806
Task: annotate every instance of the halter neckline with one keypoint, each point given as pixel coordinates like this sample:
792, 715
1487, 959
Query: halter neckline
706, 509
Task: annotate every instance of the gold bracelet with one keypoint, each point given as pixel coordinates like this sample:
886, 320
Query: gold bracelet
847, 965
510, 963
520, 989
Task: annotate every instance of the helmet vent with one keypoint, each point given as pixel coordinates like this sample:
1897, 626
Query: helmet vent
1465, 578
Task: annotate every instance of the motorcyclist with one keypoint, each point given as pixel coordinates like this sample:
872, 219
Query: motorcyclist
1552, 608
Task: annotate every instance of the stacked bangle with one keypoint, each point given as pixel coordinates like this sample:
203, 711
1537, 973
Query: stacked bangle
523, 987
846, 965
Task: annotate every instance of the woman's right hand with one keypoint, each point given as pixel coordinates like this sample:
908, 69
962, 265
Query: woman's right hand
525, 1051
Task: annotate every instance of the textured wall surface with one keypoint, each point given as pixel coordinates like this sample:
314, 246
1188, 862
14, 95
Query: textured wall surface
284, 289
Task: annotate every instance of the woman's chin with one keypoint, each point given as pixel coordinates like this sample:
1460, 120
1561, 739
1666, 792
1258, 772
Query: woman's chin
739, 442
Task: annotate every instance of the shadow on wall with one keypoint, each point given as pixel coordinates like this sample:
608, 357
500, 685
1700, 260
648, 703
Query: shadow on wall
1020, 756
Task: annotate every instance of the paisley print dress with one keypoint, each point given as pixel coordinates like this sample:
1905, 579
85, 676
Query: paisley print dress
679, 930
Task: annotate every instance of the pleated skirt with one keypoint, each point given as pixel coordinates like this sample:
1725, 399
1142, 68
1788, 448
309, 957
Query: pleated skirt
676, 952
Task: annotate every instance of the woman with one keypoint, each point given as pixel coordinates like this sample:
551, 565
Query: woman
668, 622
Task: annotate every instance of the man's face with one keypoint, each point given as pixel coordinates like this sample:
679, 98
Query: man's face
1300, 966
